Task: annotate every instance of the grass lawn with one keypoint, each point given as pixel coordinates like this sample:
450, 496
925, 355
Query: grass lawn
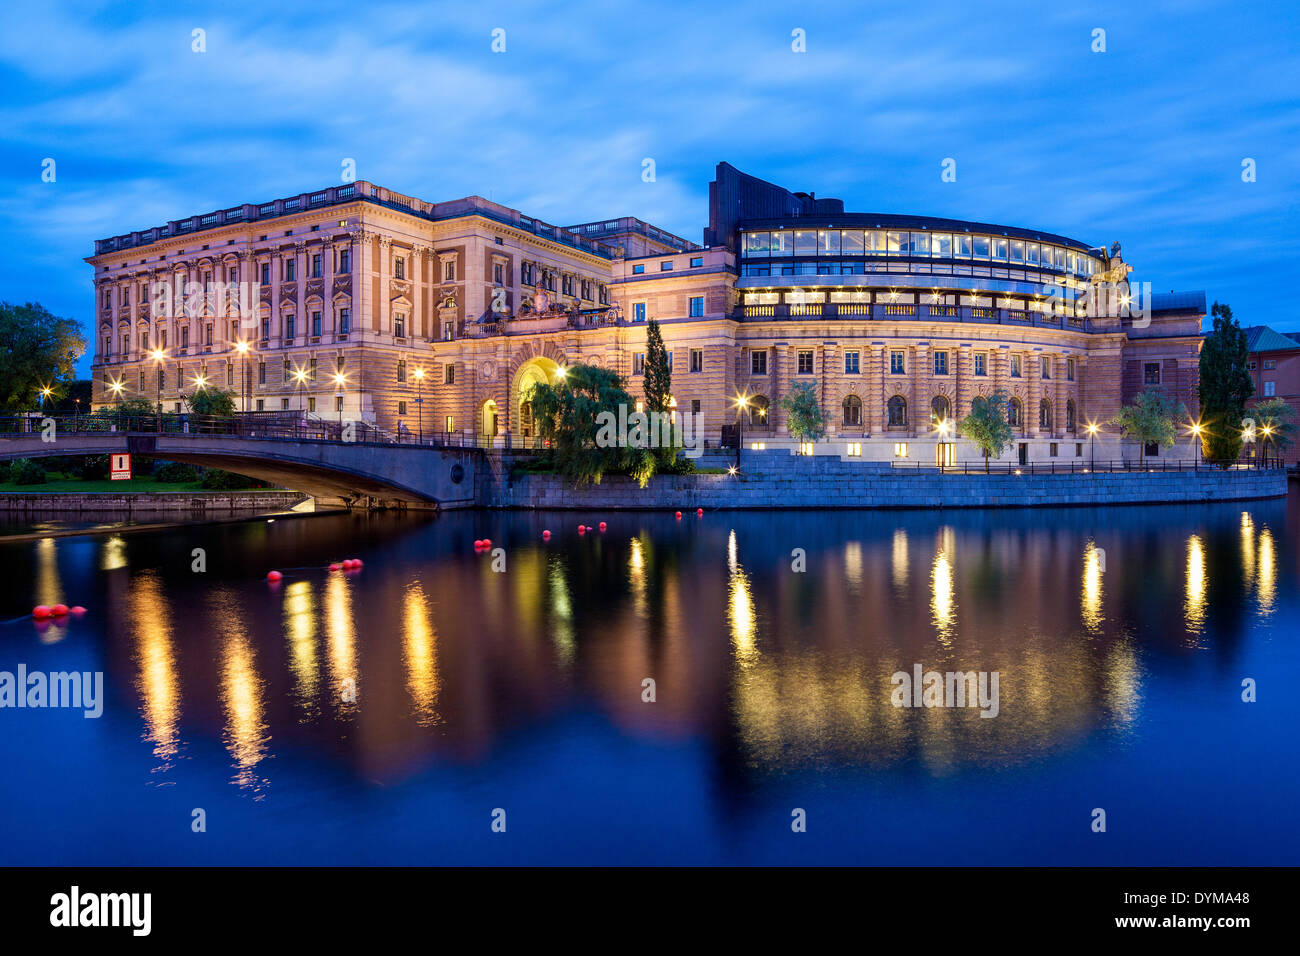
58, 484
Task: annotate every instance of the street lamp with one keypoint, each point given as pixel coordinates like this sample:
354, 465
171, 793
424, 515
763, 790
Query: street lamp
115, 387
340, 380
742, 405
158, 355
942, 428
1092, 446
242, 348
419, 398
1196, 437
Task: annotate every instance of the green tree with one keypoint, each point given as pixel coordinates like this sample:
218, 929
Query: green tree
804, 416
658, 386
212, 401
1275, 423
987, 425
1151, 419
37, 349
1225, 386
569, 418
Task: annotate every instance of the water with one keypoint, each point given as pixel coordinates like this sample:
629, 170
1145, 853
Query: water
381, 717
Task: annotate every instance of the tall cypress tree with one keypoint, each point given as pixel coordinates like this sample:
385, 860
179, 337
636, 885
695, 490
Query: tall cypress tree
1225, 386
658, 374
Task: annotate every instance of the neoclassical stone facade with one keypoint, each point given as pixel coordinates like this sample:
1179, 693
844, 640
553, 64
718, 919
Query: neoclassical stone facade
356, 302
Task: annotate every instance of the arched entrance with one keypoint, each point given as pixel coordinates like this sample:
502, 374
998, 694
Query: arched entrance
536, 371
487, 422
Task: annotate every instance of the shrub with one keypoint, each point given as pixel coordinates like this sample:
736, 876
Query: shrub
214, 479
24, 471
173, 472
89, 468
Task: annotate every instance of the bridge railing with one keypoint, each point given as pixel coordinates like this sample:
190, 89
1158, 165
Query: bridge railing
1084, 466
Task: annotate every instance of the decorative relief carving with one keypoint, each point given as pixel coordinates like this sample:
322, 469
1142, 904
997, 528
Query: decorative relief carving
487, 371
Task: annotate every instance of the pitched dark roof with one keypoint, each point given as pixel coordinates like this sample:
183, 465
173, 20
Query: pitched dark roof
1260, 338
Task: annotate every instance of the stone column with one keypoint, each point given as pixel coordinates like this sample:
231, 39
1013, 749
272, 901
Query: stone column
1034, 393
876, 395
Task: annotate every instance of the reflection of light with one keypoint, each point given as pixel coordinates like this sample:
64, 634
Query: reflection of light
241, 693
1267, 583
732, 563
942, 603
740, 608
1248, 547
300, 631
49, 589
853, 565
1092, 588
114, 554
420, 647
562, 613
636, 572
1120, 680
899, 558
1195, 609
157, 683
342, 644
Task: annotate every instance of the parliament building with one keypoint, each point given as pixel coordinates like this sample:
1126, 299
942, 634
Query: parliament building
436, 319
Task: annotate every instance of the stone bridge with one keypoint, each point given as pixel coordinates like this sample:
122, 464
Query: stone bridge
371, 474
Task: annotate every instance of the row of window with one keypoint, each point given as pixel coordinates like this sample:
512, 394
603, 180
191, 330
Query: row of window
939, 245
666, 265
940, 411
695, 309
898, 363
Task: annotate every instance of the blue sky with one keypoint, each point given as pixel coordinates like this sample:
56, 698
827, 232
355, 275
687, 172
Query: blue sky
1142, 143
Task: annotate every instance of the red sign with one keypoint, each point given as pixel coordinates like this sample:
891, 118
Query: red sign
120, 467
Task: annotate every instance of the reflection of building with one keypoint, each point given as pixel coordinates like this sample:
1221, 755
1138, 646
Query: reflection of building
896, 321
1274, 364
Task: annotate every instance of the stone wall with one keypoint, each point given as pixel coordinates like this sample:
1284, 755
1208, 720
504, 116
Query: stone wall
71, 503
789, 482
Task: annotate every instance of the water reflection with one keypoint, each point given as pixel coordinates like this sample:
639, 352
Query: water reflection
1266, 586
420, 648
1092, 571
245, 731
157, 681
300, 633
344, 681
740, 608
1194, 605
943, 604
49, 587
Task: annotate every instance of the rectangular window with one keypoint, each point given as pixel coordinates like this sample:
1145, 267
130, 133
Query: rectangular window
1078, 449
758, 362
399, 325
290, 269
1270, 389
449, 374
399, 267
1051, 449
697, 306
695, 406
289, 323
900, 449
638, 270
315, 324
1015, 366
940, 363
1044, 367
261, 405
854, 449
896, 363
1069, 370
261, 373
852, 363
345, 261
284, 404
1151, 373
451, 424
697, 360
266, 273
1270, 364
697, 261
345, 320
311, 403
981, 363
666, 266
638, 363
449, 271
638, 311
312, 370
805, 359
498, 273
401, 370
315, 265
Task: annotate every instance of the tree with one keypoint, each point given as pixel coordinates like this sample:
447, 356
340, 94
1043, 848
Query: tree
567, 416
37, 349
1275, 421
1151, 419
1225, 386
212, 401
658, 386
804, 416
987, 425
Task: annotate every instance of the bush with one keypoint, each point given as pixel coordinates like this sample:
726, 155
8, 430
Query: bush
681, 465
24, 471
89, 468
174, 473
214, 479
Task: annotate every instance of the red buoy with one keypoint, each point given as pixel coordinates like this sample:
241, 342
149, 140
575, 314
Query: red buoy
59, 610
699, 512
77, 610
487, 542
273, 575
546, 536
582, 529
41, 611
356, 562
679, 515
335, 566
602, 526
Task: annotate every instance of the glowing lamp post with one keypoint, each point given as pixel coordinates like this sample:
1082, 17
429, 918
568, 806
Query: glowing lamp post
158, 355
340, 381
242, 348
419, 400
1092, 446
742, 405
1196, 439
115, 387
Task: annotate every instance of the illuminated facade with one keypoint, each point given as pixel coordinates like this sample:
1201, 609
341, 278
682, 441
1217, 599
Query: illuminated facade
364, 303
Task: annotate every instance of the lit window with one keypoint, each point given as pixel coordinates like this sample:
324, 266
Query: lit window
854, 449
900, 449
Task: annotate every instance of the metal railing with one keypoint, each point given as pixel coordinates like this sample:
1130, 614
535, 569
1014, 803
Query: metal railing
1077, 466
921, 312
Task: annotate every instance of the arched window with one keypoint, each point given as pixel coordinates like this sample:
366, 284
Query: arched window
939, 409
1044, 414
852, 410
1069, 415
758, 410
1014, 413
898, 411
